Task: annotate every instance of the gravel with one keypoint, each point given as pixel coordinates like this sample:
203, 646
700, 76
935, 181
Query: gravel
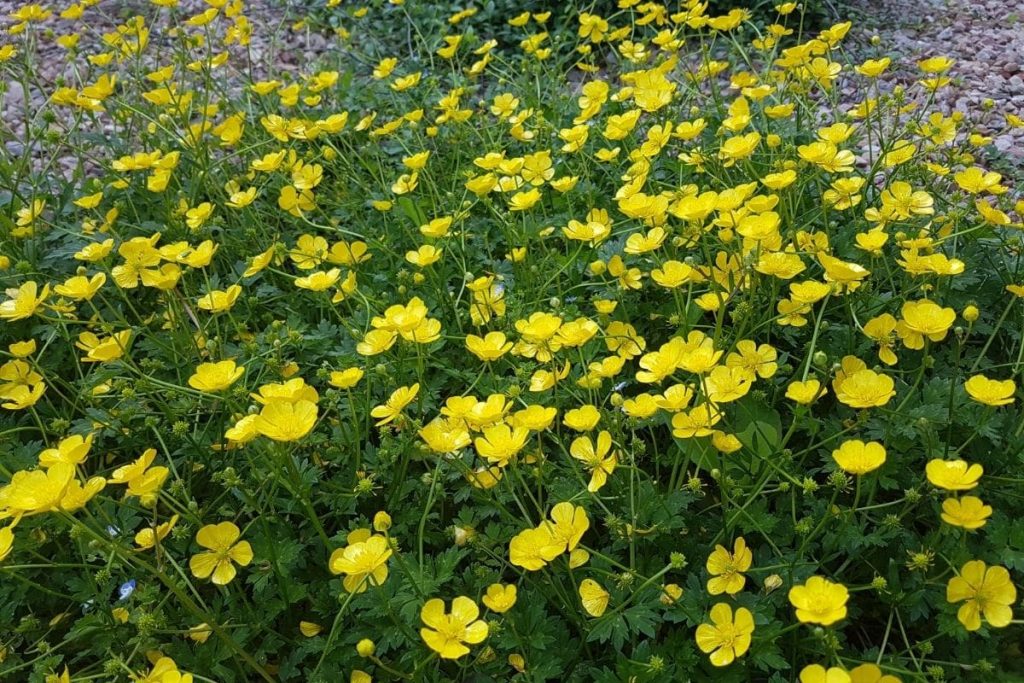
985, 37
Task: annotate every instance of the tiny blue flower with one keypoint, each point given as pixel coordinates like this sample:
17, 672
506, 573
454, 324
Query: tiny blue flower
126, 589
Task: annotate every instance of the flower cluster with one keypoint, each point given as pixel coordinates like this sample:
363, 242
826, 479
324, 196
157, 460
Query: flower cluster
625, 340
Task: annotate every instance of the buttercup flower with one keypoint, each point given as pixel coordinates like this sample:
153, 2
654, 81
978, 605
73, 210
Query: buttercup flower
858, 387
990, 392
363, 561
816, 673
967, 512
953, 475
214, 377
985, 591
856, 457
819, 601
727, 636
726, 568
500, 598
447, 634
224, 552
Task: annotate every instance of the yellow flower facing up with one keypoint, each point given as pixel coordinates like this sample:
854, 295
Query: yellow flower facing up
224, 551
953, 475
727, 636
500, 598
858, 387
214, 377
726, 568
922, 320
364, 561
856, 457
819, 601
967, 512
986, 592
532, 549
446, 633
598, 458
990, 392
283, 420
490, 347
500, 443
806, 392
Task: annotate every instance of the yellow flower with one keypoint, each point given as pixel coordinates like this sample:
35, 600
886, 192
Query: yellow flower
967, 512
990, 392
445, 436
218, 301
594, 597
568, 524
36, 491
490, 347
72, 450
426, 255
282, 420
819, 601
985, 591
6, 542
727, 636
727, 568
102, 350
871, 673
596, 458
318, 281
22, 349
806, 392
532, 549
392, 408
150, 536
922, 319
80, 287
816, 673
953, 475
347, 378
500, 443
447, 634
200, 633
858, 387
224, 551
856, 457
310, 629
214, 377
738, 148
364, 561
23, 301
582, 419
500, 598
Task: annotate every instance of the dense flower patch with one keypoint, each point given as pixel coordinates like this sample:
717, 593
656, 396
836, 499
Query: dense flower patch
626, 351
